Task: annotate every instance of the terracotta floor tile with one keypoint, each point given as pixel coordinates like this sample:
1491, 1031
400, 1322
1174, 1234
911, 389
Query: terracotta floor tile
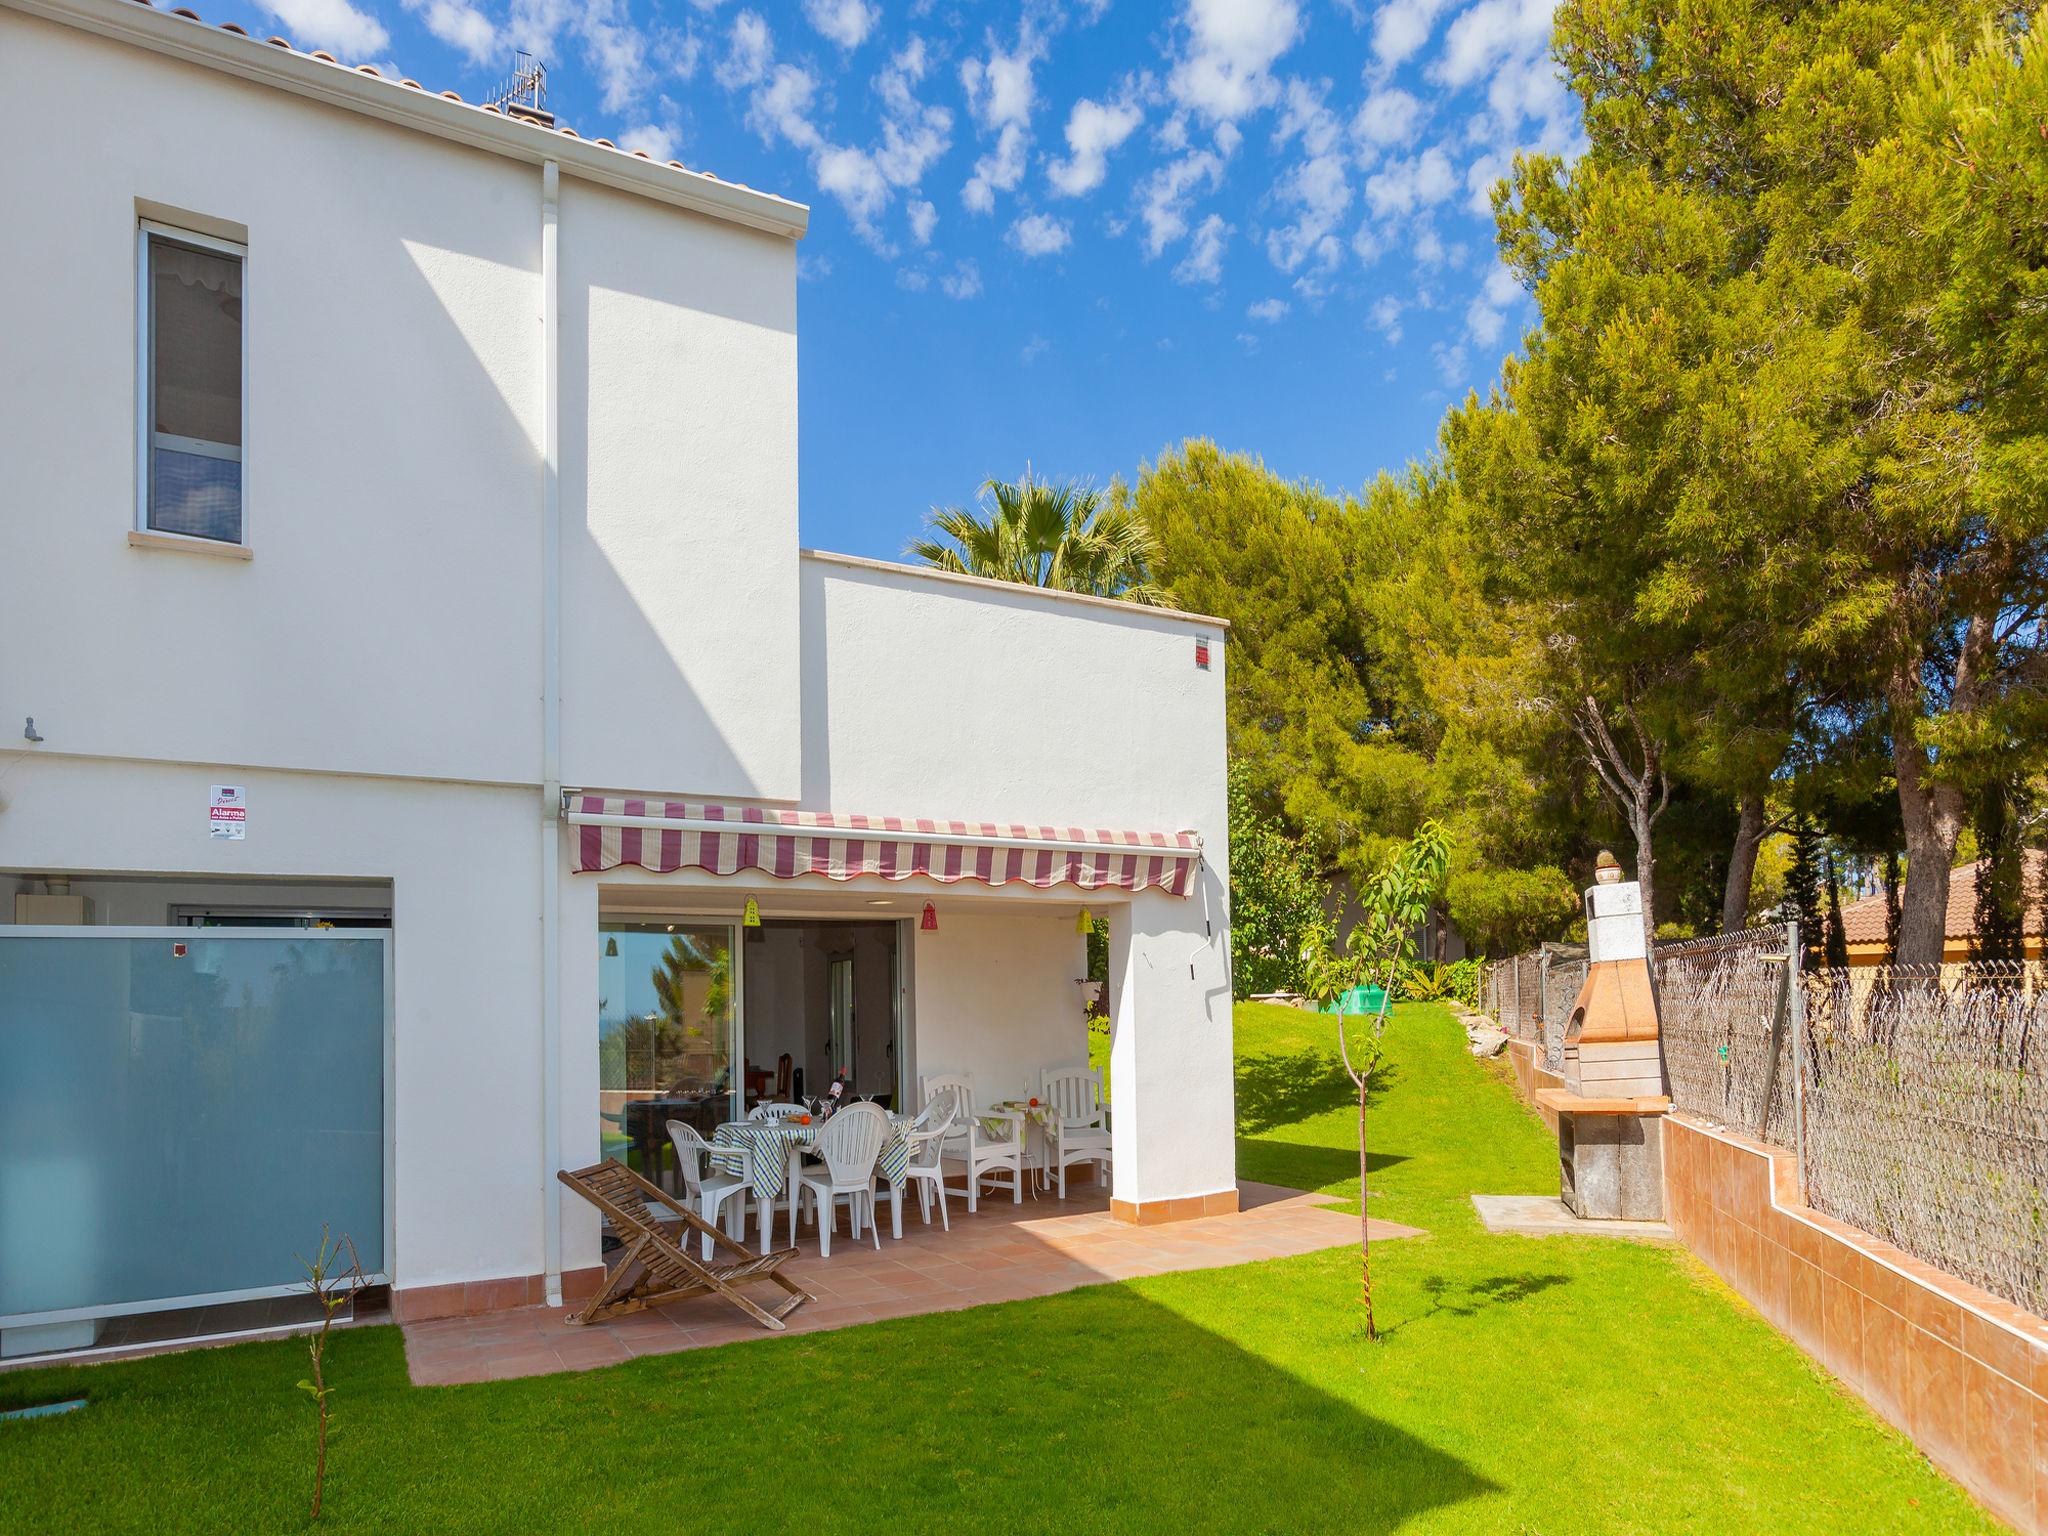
1003, 1252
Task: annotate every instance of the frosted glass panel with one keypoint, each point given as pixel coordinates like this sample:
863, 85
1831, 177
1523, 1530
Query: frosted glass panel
180, 1124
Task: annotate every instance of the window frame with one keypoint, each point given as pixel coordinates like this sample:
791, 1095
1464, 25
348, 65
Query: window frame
147, 230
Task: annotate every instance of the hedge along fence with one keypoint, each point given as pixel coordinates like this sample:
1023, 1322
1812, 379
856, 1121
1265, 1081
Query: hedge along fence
1915, 1100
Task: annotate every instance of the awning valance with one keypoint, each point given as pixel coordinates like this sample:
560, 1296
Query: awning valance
668, 835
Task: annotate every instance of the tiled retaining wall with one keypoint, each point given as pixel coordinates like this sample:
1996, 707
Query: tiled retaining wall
1531, 1074
416, 1304
1962, 1372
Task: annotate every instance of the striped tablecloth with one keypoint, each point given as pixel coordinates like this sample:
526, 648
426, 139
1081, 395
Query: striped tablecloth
771, 1141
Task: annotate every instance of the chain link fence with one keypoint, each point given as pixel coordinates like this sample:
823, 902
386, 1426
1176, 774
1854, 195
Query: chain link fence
1725, 1010
1926, 1117
1916, 1100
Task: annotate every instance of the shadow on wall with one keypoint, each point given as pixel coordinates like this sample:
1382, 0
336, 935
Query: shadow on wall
626, 628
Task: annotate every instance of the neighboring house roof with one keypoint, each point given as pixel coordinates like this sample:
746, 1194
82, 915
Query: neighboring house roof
1863, 922
318, 74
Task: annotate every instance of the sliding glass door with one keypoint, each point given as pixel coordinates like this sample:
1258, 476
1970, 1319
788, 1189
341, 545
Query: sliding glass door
666, 1009
182, 1112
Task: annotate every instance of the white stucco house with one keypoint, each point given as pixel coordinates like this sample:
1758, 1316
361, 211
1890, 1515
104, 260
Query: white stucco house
402, 593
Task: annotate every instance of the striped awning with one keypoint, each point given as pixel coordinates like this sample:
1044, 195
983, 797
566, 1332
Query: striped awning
668, 835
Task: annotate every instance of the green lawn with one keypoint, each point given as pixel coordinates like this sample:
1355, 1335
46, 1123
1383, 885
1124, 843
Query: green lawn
1534, 1385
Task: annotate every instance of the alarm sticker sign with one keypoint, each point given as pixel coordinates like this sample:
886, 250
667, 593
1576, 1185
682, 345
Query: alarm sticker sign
228, 812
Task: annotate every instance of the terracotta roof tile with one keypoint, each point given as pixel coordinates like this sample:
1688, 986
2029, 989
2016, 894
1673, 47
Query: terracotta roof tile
1863, 922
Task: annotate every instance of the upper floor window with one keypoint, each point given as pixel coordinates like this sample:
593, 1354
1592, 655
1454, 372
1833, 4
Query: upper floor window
192, 384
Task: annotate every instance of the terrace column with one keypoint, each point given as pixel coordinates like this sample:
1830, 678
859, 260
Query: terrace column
1173, 1118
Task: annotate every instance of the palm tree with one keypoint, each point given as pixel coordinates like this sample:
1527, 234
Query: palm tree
1041, 535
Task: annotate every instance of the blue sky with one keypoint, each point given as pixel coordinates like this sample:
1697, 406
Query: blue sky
1065, 234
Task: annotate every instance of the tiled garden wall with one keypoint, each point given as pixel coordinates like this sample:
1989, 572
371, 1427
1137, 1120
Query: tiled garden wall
1526, 1057
1961, 1371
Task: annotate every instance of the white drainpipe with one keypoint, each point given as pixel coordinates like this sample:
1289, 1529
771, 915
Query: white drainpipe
551, 731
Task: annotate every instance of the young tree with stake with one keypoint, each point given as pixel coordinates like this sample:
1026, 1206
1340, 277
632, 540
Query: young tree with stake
1395, 900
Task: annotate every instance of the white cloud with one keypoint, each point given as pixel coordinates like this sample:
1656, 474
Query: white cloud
1317, 189
657, 140
781, 107
1488, 32
1272, 311
749, 49
782, 99
331, 24
1450, 362
845, 22
1401, 27
1389, 117
1479, 180
1386, 318
1000, 97
1402, 186
1305, 116
1040, 234
1483, 323
1093, 130
999, 88
854, 178
617, 51
1222, 70
924, 219
912, 279
462, 27
811, 268
1164, 196
1033, 350
1485, 316
963, 282
1204, 261
998, 171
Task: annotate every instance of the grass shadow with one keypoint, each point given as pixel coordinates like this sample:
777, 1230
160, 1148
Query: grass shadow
1467, 1298
1059, 1390
1316, 1169
1277, 1088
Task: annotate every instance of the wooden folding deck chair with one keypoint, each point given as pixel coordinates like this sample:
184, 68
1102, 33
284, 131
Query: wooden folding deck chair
656, 1269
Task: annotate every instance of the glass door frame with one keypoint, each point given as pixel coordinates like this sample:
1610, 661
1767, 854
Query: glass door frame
633, 918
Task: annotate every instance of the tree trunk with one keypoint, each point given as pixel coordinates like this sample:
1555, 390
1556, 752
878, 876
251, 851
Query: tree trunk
1364, 1220
1641, 823
1933, 817
1749, 837
1638, 788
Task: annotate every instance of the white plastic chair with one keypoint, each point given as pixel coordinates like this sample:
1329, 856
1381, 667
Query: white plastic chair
985, 1155
847, 1148
775, 1111
708, 1189
926, 1136
1080, 1121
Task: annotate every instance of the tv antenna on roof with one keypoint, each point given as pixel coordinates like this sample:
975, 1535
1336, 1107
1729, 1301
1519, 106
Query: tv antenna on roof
524, 92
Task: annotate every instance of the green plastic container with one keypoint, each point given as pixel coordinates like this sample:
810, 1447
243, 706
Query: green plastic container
1359, 1000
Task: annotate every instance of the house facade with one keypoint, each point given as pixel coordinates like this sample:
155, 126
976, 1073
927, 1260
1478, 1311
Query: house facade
1866, 924
405, 590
